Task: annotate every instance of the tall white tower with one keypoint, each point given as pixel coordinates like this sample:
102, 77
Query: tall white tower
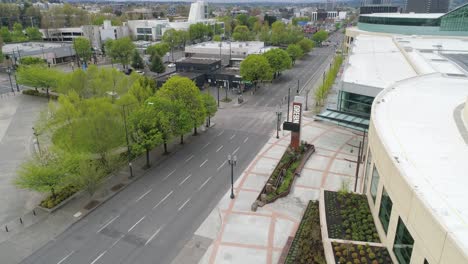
198, 11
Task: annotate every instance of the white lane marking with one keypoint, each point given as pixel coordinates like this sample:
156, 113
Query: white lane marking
235, 151
182, 182
165, 197
203, 185
108, 223
220, 133
141, 197
219, 148
221, 165
206, 145
100, 256
67, 256
245, 140
165, 178
151, 238
182, 206
189, 158
233, 136
115, 243
131, 228
201, 165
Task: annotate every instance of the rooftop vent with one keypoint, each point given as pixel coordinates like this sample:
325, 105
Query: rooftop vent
456, 75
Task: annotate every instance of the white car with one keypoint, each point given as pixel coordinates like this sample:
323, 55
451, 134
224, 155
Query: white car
172, 65
140, 72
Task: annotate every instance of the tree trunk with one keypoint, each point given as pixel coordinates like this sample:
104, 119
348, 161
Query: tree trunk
147, 158
47, 92
165, 147
195, 131
181, 139
52, 192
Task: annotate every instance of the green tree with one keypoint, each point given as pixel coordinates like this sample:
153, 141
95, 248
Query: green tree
217, 38
159, 49
18, 35
251, 22
140, 92
278, 33
88, 176
242, 19
157, 65
320, 36
82, 47
31, 61
295, 52
228, 24
33, 33
144, 131
43, 173
120, 50
171, 38
5, 34
165, 116
184, 92
38, 76
265, 34
278, 59
210, 106
137, 61
241, 33
256, 68
306, 45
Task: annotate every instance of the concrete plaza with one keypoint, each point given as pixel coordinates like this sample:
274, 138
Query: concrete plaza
241, 236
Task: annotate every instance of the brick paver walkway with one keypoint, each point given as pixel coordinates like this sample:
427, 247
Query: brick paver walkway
243, 236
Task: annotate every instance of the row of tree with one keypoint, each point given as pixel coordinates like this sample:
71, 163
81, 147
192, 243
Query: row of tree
267, 66
322, 91
17, 34
86, 126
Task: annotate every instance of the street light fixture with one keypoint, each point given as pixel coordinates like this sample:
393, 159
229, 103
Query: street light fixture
9, 77
278, 120
232, 160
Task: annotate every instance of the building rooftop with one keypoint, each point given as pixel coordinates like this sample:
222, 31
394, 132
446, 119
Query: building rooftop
419, 121
378, 61
198, 60
406, 15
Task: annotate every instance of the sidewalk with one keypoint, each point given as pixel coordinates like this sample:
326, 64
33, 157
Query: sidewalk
239, 235
36, 230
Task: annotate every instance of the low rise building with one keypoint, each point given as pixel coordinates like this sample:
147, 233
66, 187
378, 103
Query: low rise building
52, 53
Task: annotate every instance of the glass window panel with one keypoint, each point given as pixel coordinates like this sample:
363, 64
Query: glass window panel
403, 245
374, 183
368, 170
386, 205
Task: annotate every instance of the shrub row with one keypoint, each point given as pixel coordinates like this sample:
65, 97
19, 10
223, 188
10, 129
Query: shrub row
60, 196
40, 94
324, 88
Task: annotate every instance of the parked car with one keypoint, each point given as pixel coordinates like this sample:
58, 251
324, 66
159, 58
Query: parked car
171, 65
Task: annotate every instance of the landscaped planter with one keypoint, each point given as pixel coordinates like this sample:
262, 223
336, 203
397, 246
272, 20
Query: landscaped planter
280, 182
66, 198
349, 217
307, 246
360, 254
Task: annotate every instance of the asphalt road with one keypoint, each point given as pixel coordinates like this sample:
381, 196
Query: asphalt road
151, 220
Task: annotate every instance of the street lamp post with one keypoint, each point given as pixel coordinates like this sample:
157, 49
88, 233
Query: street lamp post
232, 161
16, 82
9, 77
218, 95
307, 100
128, 143
278, 121
297, 91
289, 98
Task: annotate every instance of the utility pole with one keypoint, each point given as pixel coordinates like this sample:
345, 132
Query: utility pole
289, 98
128, 143
297, 91
218, 94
